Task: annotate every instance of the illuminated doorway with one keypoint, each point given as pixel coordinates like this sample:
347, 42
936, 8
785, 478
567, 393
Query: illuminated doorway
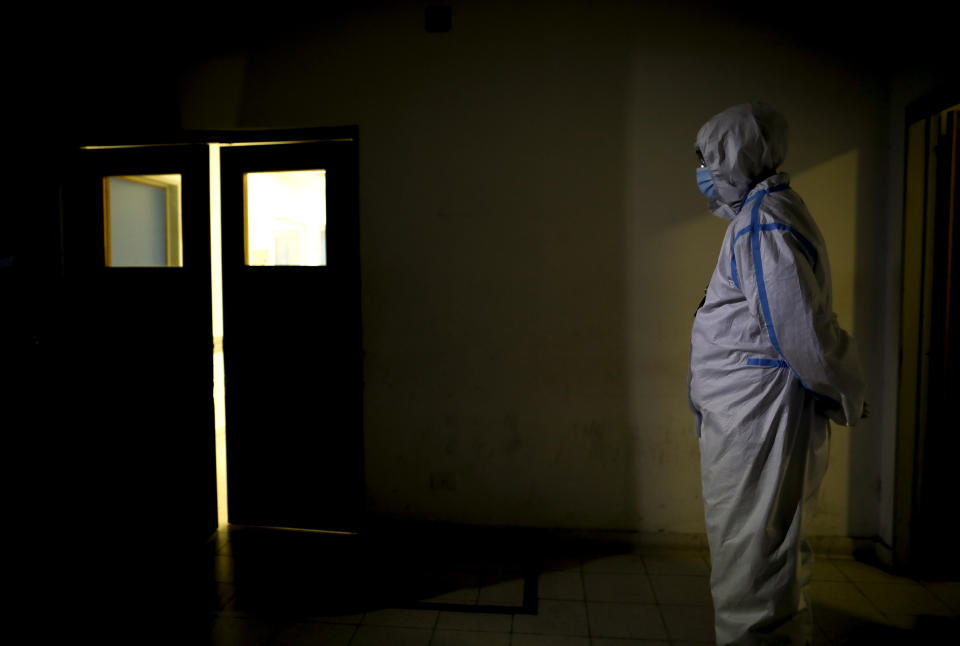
284, 225
292, 360
232, 260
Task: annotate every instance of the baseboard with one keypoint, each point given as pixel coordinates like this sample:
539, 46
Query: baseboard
663, 540
824, 546
884, 553
840, 546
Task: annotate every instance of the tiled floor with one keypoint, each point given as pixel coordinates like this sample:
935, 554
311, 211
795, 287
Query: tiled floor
458, 590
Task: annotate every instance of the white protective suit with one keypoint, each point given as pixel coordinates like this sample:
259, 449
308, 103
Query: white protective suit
768, 361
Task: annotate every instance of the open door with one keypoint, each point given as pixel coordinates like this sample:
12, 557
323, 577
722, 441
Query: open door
292, 338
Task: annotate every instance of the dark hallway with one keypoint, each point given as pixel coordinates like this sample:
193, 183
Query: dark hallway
526, 245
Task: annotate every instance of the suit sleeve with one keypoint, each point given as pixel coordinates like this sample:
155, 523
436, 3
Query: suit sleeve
779, 282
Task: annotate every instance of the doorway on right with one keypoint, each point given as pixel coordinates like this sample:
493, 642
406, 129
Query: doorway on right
925, 521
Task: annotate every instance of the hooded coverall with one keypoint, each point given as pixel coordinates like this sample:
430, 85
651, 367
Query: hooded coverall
768, 365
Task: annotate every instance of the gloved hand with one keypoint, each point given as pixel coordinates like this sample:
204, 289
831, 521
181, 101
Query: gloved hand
831, 409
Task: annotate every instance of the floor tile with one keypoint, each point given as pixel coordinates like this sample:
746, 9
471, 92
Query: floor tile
548, 640
554, 563
673, 589
871, 634
469, 638
689, 623
583, 589
623, 588
620, 564
463, 595
857, 571
676, 562
820, 638
948, 593
903, 599
229, 630
452, 582
340, 619
223, 569
223, 594
502, 593
566, 585
394, 636
826, 570
476, 621
841, 608
842, 596
401, 618
626, 620
904, 622
221, 544
314, 634
554, 618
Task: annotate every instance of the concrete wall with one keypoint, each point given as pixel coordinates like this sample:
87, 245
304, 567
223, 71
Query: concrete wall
534, 246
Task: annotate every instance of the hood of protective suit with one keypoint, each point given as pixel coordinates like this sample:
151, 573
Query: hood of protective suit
741, 146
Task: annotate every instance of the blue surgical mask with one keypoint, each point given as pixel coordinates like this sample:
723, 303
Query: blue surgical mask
705, 183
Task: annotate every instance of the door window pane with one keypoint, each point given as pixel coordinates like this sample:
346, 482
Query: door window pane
286, 218
142, 221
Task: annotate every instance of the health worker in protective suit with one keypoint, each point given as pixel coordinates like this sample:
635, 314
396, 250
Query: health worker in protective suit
768, 366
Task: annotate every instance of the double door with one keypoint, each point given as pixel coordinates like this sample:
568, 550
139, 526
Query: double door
136, 223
